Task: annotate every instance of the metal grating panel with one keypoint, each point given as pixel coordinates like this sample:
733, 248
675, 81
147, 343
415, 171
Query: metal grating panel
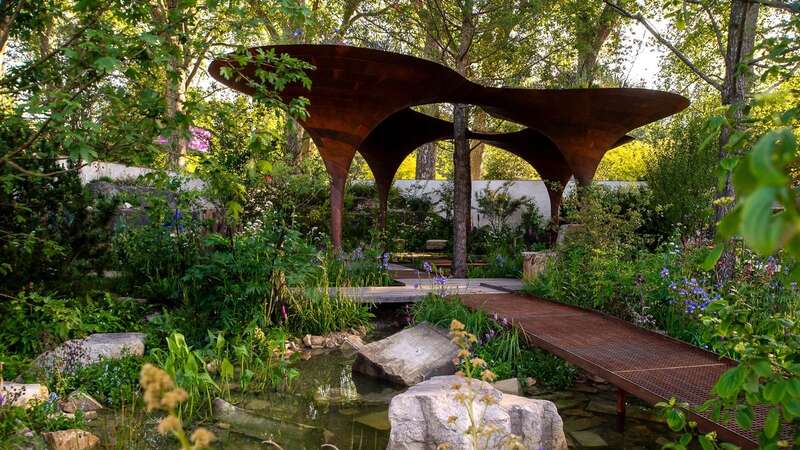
649, 365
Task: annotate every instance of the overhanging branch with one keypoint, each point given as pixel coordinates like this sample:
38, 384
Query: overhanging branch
661, 39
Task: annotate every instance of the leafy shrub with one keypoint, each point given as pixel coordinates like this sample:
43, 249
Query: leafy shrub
113, 382
604, 267
681, 178
503, 348
50, 320
53, 231
41, 417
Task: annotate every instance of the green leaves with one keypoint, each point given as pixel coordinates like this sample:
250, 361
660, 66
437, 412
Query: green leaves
106, 64
772, 423
758, 227
676, 419
731, 382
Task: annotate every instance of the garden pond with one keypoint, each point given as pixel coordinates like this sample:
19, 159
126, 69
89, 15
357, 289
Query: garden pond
328, 403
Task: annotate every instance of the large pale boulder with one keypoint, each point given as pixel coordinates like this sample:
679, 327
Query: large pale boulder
408, 357
429, 415
81, 352
24, 395
73, 439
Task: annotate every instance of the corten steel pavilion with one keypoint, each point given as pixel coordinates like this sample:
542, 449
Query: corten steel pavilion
361, 99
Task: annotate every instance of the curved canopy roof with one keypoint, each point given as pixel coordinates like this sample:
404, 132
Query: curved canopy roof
361, 99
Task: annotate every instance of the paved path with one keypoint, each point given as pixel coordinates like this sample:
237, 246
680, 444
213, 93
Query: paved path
646, 364
413, 290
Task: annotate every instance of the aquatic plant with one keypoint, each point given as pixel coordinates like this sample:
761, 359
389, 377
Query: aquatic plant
160, 393
188, 369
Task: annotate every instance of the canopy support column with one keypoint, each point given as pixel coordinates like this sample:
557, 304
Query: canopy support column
337, 206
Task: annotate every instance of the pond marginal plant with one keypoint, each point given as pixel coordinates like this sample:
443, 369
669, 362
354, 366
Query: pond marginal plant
188, 369
482, 435
160, 393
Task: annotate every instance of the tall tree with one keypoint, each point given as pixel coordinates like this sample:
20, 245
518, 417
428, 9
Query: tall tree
468, 34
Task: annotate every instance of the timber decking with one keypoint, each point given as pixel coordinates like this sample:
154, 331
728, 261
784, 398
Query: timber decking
646, 364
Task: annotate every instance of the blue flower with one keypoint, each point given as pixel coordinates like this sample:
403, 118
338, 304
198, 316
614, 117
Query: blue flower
426, 266
664, 272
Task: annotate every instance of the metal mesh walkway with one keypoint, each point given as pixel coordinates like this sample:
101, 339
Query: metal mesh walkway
646, 364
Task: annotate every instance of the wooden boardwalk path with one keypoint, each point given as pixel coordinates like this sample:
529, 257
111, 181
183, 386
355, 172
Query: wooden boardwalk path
643, 363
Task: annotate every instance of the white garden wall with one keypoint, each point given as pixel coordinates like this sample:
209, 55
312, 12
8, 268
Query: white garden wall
531, 189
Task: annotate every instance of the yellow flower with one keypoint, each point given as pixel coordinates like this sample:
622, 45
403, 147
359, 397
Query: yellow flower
455, 325
154, 382
488, 375
477, 362
169, 424
202, 438
463, 353
171, 399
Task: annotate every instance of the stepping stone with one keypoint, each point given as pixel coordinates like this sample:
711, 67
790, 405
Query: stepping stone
567, 403
576, 412
588, 439
378, 420
583, 423
602, 407
508, 386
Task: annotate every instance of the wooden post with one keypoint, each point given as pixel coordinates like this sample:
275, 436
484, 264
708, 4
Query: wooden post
621, 410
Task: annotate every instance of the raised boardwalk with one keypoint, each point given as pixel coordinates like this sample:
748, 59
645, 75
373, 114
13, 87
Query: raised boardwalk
646, 364
413, 290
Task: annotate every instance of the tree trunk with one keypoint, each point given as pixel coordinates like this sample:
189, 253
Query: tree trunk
426, 162
590, 46
5, 30
174, 89
462, 191
462, 184
476, 154
426, 154
736, 87
296, 141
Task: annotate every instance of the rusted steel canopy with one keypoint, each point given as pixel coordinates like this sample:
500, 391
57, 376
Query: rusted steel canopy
360, 101
583, 123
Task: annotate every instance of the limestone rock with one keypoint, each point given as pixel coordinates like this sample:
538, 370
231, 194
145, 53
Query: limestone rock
352, 344
80, 401
24, 395
73, 439
314, 341
508, 386
428, 415
81, 352
534, 263
408, 357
